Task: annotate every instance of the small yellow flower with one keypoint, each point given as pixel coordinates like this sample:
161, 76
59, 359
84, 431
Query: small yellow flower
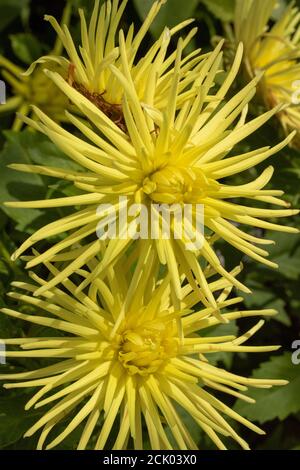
119, 367
274, 50
35, 89
165, 156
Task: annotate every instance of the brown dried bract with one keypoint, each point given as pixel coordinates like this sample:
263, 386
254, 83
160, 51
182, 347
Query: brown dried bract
112, 111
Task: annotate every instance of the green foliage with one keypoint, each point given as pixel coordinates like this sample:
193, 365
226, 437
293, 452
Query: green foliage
26, 47
278, 402
286, 253
171, 13
221, 9
11, 9
10, 184
27, 148
14, 420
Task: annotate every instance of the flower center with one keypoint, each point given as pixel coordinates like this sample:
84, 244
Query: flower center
168, 185
172, 185
144, 349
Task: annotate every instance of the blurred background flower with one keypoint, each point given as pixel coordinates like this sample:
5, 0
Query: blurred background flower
270, 33
37, 89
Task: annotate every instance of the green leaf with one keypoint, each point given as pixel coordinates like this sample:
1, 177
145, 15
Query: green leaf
284, 243
14, 420
86, 4
285, 253
266, 299
289, 264
221, 9
17, 187
26, 47
278, 402
170, 14
282, 316
29, 148
9, 10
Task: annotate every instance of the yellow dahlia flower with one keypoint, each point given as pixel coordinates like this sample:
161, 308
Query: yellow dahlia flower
274, 50
35, 89
172, 157
89, 69
119, 367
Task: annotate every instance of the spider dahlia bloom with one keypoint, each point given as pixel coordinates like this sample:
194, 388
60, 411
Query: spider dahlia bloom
119, 368
36, 89
88, 70
172, 157
275, 50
